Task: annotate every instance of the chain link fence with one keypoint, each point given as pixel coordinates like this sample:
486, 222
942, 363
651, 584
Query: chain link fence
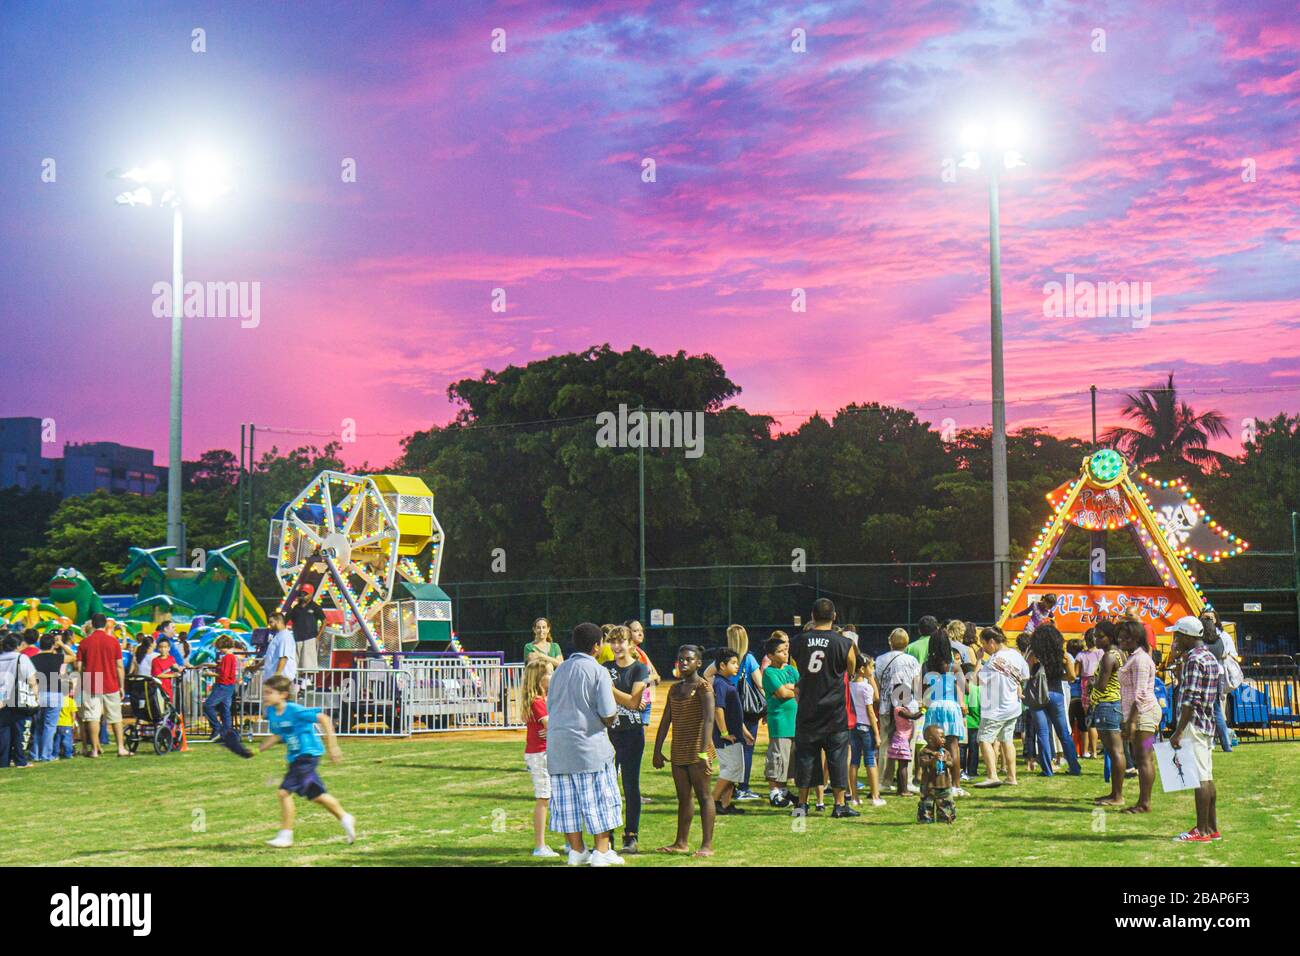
498, 615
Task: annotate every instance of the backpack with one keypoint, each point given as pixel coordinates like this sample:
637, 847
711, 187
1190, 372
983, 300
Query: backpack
1232, 673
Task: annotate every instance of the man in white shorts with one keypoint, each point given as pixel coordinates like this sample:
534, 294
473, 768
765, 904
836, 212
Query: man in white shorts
102, 677
899, 675
579, 755
1198, 693
1000, 681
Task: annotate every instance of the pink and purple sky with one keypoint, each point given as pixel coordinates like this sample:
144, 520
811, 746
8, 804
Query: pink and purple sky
522, 170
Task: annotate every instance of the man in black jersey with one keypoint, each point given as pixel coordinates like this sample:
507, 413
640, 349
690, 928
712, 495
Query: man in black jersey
825, 659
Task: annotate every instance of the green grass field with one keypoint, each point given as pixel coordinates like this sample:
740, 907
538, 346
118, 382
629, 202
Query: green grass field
440, 801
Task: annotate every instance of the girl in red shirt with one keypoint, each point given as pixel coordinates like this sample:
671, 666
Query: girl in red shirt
532, 704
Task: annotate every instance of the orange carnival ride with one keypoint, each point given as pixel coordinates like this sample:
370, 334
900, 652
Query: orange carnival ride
1169, 525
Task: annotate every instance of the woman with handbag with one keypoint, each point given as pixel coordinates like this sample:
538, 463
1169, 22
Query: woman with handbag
1050, 666
18, 701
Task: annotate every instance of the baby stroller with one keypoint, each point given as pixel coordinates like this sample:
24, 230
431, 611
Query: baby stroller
156, 717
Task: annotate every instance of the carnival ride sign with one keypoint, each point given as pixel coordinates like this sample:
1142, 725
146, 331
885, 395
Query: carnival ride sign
1079, 607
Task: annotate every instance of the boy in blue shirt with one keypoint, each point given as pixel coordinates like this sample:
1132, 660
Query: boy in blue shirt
728, 727
296, 726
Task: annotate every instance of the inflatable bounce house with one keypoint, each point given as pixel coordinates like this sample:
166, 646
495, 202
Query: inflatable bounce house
371, 548
213, 592
1171, 529
215, 589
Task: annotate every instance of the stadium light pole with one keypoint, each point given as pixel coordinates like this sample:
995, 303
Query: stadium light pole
996, 147
203, 179
640, 467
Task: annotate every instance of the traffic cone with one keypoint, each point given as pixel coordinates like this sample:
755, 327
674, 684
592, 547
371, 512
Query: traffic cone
184, 741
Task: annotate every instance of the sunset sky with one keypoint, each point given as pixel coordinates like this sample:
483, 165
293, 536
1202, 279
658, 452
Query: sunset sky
522, 170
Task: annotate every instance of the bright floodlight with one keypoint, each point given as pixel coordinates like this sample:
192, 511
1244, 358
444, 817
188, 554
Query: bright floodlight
155, 172
1006, 134
972, 137
205, 177
140, 196
982, 141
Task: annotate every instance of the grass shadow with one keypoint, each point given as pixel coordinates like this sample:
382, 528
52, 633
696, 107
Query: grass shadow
453, 768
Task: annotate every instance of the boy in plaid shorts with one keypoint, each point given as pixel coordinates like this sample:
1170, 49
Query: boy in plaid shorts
579, 755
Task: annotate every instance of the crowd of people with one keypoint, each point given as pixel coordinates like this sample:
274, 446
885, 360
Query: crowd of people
65, 687
922, 720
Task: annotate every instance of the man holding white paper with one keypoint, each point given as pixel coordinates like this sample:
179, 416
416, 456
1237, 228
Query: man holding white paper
1198, 691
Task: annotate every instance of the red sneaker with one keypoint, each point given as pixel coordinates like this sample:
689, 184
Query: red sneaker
1216, 835
1191, 836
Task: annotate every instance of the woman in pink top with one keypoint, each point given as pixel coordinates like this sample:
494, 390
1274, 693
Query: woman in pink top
1139, 707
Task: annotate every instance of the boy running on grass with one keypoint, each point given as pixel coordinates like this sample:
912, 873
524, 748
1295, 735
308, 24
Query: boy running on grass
296, 726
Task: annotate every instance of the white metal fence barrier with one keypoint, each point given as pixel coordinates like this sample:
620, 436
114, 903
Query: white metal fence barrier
463, 694
376, 699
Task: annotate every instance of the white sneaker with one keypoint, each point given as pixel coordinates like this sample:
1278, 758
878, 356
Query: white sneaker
878, 802
579, 859
545, 851
349, 827
282, 839
607, 858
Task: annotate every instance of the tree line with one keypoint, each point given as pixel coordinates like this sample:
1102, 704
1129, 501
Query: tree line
519, 469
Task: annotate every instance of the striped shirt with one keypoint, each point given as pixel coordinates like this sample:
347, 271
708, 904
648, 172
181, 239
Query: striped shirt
1102, 695
688, 725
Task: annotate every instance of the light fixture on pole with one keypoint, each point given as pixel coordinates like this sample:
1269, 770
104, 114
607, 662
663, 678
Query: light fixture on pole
996, 146
203, 178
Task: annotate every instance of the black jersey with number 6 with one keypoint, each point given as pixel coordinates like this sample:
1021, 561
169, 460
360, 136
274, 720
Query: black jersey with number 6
823, 661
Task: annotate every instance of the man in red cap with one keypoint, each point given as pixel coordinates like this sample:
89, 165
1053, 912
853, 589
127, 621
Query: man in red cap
306, 620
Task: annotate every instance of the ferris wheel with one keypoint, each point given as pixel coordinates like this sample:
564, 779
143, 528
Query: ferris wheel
339, 535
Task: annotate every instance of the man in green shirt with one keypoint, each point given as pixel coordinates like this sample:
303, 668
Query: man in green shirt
779, 680
920, 647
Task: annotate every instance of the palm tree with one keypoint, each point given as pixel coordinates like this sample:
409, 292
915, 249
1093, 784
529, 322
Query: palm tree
1168, 431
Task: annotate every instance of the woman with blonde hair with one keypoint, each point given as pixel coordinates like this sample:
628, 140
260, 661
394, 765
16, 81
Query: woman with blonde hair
637, 633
